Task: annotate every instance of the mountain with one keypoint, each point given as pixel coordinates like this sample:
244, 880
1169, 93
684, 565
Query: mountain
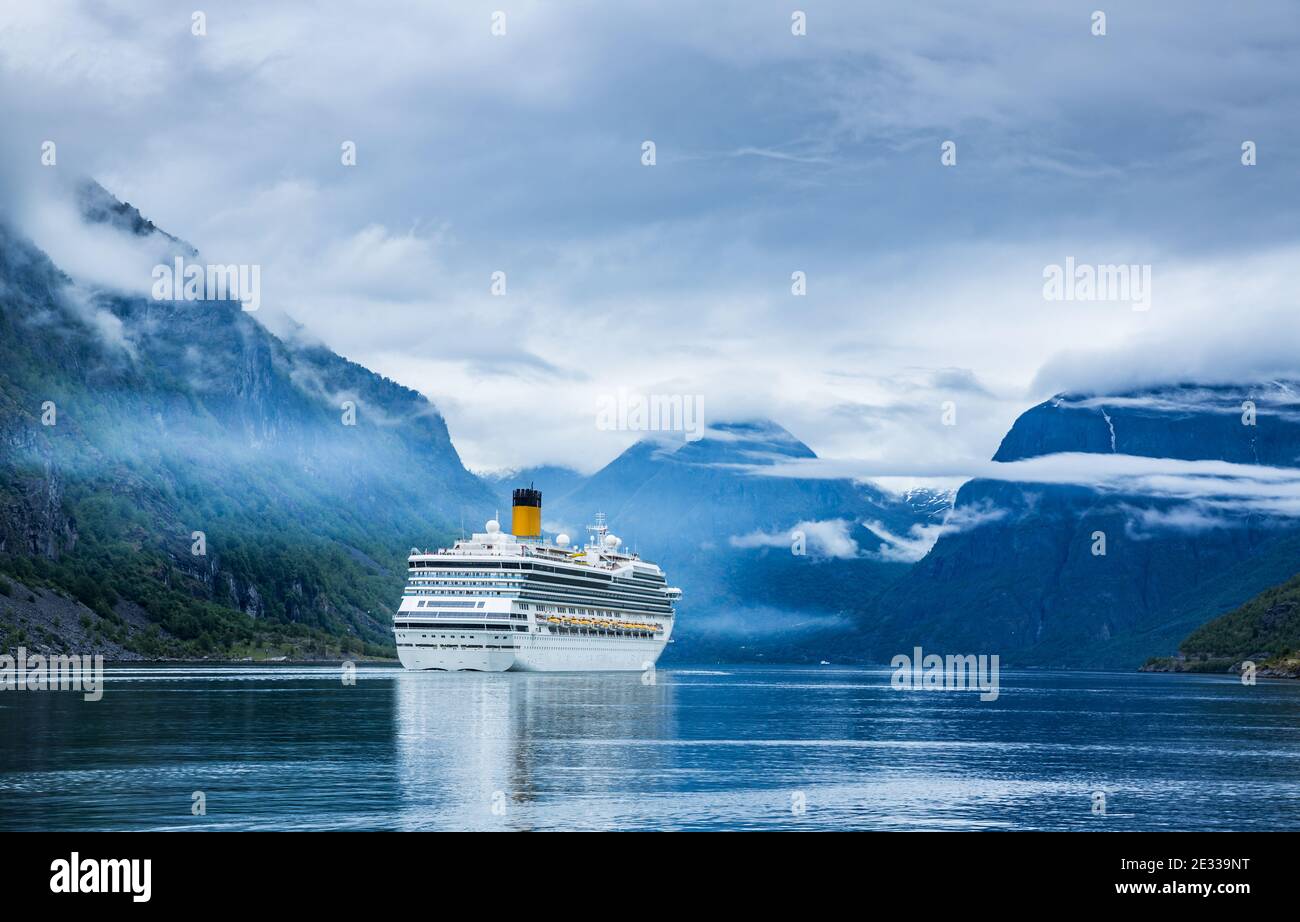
1018, 576
553, 480
715, 489
724, 530
99, 206
1188, 422
128, 425
1265, 630
929, 506
177, 480
180, 423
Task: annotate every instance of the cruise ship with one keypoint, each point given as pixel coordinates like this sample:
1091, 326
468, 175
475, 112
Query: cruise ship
495, 602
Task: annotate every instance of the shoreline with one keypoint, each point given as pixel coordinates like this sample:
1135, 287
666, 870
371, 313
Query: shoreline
1276, 667
1163, 665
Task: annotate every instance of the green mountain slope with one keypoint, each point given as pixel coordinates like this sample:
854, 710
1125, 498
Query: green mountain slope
128, 424
1265, 630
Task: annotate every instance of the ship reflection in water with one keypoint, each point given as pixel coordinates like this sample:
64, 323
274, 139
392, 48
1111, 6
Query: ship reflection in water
514, 750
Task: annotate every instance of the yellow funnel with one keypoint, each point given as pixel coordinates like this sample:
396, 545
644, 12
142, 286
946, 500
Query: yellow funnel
526, 514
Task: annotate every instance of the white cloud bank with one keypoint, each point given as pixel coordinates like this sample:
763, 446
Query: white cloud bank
818, 154
1222, 486
829, 538
920, 538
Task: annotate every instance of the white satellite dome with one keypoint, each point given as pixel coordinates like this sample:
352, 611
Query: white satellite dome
612, 541
493, 526
562, 540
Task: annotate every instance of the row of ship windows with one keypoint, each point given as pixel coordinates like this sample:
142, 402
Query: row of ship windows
458, 592
457, 646
564, 610
524, 605
576, 579
442, 573
418, 587
494, 646
551, 628
473, 577
529, 567
466, 579
461, 637
455, 626
449, 603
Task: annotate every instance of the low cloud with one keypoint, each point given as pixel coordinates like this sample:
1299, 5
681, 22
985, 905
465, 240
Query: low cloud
1218, 321
99, 256
1188, 518
921, 537
621, 275
822, 539
1217, 485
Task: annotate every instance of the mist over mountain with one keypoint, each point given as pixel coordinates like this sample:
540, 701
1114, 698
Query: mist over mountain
1188, 421
772, 568
97, 205
308, 477
130, 424
1081, 575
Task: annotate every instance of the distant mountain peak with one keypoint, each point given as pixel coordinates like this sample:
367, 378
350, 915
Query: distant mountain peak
758, 428
1247, 423
1187, 394
750, 441
99, 206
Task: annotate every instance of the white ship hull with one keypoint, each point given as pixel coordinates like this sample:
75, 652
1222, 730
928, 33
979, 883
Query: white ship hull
541, 653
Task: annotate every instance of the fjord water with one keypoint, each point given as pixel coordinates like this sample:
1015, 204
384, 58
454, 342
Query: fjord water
293, 747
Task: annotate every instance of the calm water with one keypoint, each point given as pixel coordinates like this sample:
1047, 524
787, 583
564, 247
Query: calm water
727, 747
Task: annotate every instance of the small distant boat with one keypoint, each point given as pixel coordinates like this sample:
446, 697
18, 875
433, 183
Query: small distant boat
824, 663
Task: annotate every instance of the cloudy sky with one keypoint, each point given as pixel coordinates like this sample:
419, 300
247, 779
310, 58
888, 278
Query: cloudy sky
775, 153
